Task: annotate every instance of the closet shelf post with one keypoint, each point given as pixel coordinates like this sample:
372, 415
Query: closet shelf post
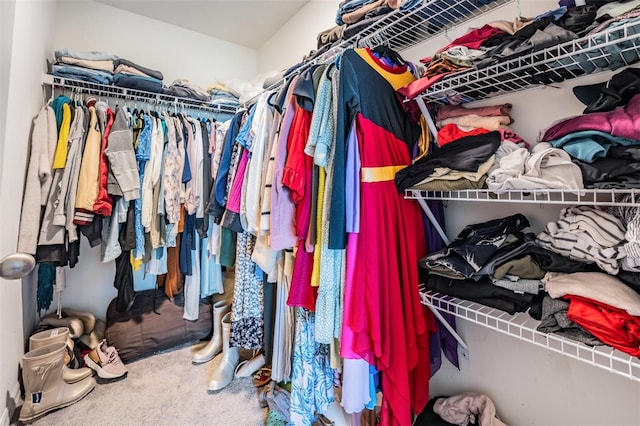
433, 220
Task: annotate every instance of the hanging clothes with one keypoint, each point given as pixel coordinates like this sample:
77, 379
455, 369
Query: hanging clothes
389, 327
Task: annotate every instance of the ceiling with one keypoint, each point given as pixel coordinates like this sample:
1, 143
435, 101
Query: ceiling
244, 22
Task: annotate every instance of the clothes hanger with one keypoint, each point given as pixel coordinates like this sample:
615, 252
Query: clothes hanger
389, 53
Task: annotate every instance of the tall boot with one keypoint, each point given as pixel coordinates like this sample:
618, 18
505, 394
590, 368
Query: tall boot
45, 390
220, 309
57, 335
223, 374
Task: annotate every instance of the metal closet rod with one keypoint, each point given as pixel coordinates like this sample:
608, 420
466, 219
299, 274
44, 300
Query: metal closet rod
89, 88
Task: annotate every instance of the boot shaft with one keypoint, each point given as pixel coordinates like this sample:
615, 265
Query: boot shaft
42, 369
220, 309
226, 331
47, 337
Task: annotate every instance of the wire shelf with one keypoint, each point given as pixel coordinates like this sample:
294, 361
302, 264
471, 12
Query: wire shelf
595, 197
523, 327
401, 30
606, 50
132, 94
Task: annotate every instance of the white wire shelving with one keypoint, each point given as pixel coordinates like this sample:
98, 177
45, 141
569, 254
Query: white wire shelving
89, 88
595, 197
608, 49
522, 327
401, 30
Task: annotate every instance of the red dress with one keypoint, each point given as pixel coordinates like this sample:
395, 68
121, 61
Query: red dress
297, 177
386, 315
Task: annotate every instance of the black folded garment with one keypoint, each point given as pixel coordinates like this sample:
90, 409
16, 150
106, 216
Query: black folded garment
483, 292
136, 82
147, 71
607, 96
184, 92
632, 279
465, 154
619, 169
578, 19
550, 261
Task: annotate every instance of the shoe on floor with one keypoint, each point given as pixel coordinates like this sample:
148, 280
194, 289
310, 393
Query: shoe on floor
87, 318
106, 362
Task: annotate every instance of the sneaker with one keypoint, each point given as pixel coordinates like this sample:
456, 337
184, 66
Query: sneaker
106, 362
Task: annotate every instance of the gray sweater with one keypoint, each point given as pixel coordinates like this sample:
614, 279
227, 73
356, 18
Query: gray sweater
122, 159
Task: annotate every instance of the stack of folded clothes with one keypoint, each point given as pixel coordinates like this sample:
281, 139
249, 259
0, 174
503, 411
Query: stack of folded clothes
605, 141
223, 95
593, 307
105, 68
544, 167
472, 266
587, 234
186, 89
93, 67
133, 76
502, 40
471, 142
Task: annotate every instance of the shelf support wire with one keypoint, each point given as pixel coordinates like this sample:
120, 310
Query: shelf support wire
427, 116
464, 349
433, 220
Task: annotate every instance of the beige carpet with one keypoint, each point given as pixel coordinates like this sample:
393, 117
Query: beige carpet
164, 389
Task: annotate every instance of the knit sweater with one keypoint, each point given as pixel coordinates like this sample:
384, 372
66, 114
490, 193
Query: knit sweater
122, 159
38, 183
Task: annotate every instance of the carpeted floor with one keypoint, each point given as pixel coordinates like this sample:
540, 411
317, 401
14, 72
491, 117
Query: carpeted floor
164, 389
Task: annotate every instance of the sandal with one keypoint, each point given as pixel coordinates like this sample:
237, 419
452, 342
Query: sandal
262, 377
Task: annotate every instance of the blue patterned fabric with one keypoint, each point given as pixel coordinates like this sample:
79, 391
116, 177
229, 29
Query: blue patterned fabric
312, 376
143, 154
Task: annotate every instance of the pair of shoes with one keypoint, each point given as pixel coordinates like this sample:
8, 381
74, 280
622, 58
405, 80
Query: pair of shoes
105, 361
60, 335
213, 348
45, 388
262, 377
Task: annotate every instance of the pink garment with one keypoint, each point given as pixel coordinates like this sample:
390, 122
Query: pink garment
297, 177
418, 86
301, 293
460, 409
235, 195
449, 111
348, 336
621, 122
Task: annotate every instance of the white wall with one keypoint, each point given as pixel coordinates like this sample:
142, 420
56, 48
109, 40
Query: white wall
298, 36
26, 40
177, 52
530, 385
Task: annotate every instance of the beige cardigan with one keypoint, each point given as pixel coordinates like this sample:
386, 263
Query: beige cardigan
39, 174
